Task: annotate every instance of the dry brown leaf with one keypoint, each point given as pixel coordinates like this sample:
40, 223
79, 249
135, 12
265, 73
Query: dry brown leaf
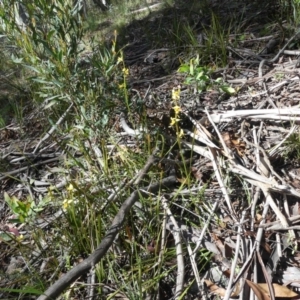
218, 243
261, 290
227, 273
226, 138
266, 246
260, 294
196, 172
232, 141
280, 291
214, 288
221, 291
258, 218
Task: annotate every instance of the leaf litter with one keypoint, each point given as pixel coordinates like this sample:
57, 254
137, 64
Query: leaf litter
246, 183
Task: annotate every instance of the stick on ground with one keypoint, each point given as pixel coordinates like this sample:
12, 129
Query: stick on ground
65, 281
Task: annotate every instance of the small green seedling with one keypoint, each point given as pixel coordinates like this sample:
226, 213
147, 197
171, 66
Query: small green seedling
196, 75
25, 211
200, 77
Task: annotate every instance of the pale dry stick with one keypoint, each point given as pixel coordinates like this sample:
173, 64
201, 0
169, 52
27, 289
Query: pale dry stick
253, 176
262, 167
183, 208
126, 144
263, 38
240, 53
98, 154
194, 266
266, 161
53, 144
25, 155
251, 80
213, 153
255, 246
270, 89
254, 278
195, 190
260, 130
291, 131
201, 237
202, 135
271, 186
291, 52
212, 122
200, 138
156, 6
286, 205
277, 212
43, 222
162, 245
244, 248
280, 228
91, 286
221, 183
253, 206
11, 173
146, 94
177, 237
278, 245
276, 224
223, 117
199, 149
269, 99
277, 118
285, 115
267, 277
25, 181
256, 113
266, 165
128, 130
257, 151
269, 183
48, 134
277, 55
235, 260
121, 134
117, 224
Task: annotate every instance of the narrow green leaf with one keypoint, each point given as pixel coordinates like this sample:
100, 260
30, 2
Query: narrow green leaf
5, 237
191, 67
183, 69
229, 90
26, 290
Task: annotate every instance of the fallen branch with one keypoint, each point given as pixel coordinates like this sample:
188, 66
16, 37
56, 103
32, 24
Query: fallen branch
175, 230
65, 281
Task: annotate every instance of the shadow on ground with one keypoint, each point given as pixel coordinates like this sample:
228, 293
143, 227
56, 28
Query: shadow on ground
193, 24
